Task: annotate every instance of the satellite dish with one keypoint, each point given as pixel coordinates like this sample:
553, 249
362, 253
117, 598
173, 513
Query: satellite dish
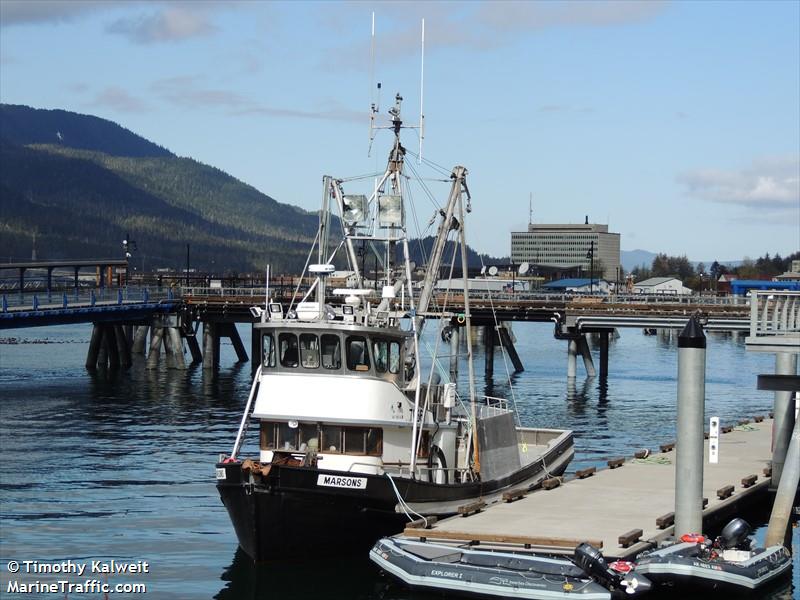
524, 268
483, 270
492, 270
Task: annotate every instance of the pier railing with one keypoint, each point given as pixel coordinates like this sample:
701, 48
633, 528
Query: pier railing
81, 297
774, 314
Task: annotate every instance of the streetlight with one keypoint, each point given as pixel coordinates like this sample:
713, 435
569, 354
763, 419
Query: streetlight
590, 256
128, 245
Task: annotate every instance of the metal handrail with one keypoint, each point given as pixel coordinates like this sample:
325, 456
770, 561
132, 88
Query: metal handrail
774, 313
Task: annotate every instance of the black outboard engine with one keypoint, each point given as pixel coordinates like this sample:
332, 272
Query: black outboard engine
734, 535
591, 560
619, 582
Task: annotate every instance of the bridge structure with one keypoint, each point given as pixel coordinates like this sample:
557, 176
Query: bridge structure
103, 271
172, 318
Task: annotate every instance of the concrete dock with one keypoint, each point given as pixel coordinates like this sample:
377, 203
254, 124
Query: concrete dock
615, 503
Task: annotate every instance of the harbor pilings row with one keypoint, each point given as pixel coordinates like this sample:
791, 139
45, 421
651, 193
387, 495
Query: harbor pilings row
115, 345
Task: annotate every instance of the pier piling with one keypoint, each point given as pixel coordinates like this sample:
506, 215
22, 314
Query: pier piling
787, 488
139, 339
155, 347
176, 347
123, 348
785, 364
604, 354
92, 356
508, 346
210, 345
689, 445
586, 353
572, 359
488, 345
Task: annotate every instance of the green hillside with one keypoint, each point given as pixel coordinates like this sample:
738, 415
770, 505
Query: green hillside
23, 125
81, 203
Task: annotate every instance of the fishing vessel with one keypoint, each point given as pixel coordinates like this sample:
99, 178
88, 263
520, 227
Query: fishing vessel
728, 564
493, 574
357, 435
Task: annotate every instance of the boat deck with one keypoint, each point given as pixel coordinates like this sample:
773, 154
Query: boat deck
613, 503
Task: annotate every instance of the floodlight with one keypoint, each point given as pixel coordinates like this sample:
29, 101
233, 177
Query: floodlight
355, 209
390, 211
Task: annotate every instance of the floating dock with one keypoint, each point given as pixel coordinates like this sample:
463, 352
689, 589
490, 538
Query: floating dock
624, 509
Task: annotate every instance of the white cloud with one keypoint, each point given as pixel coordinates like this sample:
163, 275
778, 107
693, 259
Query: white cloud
168, 25
119, 100
188, 91
772, 183
27, 12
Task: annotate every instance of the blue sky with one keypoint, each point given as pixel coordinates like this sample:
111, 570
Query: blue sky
678, 123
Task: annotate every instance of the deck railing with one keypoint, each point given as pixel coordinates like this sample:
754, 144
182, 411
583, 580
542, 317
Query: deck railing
774, 313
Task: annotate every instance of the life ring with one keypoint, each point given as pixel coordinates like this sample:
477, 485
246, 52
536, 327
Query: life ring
437, 452
461, 318
693, 538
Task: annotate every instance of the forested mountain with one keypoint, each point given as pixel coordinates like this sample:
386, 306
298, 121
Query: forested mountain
23, 125
81, 203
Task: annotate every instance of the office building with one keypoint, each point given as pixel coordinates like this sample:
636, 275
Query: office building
567, 248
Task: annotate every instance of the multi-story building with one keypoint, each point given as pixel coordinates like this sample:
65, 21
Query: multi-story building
566, 247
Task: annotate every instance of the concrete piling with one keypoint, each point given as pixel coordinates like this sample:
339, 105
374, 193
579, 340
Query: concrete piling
572, 359
488, 347
787, 488
156, 335
586, 353
604, 354
233, 333
689, 445
210, 345
785, 364
507, 341
94, 346
139, 340
123, 348
176, 347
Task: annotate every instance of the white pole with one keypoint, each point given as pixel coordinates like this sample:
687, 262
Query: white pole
422, 93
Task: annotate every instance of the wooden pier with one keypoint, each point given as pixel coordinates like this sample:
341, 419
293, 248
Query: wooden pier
624, 509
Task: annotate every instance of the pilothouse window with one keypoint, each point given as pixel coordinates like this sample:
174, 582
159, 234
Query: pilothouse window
287, 345
331, 352
309, 350
268, 349
386, 355
357, 353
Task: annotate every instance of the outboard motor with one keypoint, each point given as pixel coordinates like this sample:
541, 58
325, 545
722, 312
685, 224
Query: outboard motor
734, 535
592, 561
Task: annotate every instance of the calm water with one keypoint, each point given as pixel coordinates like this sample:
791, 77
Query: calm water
120, 466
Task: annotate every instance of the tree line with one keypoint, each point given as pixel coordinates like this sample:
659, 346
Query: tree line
700, 276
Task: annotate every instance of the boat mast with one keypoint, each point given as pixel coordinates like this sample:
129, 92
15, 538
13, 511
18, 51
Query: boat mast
322, 254
476, 465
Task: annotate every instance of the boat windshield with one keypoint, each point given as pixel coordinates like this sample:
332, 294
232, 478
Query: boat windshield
317, 352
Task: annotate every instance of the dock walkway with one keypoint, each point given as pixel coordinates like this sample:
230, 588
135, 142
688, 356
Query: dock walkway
613, 502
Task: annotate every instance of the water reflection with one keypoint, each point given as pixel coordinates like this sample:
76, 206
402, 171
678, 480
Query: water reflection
319, 576
123, 460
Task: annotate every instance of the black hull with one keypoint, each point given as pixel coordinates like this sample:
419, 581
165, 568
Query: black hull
288, 514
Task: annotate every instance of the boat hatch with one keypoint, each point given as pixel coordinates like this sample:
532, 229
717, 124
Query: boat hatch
317, 437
